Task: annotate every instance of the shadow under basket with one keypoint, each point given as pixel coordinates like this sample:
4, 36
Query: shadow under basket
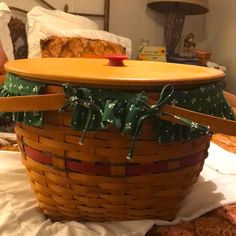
95, 182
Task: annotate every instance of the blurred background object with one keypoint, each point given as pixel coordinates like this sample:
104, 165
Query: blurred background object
175, 11
203, 57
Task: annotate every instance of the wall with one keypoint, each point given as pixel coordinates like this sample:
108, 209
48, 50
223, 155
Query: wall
221, 22
83, 6
28, 4
134, 20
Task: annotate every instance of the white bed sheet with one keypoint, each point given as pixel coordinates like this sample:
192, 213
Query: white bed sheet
20, 215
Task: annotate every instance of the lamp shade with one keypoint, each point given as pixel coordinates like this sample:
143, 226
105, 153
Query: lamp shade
188, 7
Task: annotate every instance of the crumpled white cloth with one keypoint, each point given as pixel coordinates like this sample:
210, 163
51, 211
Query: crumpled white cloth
221, 160
20, 215
7, 139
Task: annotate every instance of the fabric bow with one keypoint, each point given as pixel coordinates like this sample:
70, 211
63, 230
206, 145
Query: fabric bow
86, 114
151, 112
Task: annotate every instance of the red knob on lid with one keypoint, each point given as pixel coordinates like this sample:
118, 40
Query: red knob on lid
116, 60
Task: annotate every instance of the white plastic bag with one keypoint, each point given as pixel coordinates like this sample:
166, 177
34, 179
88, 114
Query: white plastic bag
5, 37
42, 23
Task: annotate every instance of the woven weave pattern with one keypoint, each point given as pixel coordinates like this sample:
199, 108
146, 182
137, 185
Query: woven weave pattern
95, 182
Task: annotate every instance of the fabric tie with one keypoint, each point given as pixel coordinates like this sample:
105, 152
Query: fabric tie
151, 112
81, 100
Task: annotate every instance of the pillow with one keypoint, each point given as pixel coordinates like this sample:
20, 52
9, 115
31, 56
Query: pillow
5, 37
65, 25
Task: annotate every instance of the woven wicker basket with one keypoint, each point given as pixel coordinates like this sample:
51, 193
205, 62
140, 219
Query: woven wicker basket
95, 182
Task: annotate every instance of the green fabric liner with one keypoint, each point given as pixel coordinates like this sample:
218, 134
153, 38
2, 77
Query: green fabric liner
15, 86
96, 109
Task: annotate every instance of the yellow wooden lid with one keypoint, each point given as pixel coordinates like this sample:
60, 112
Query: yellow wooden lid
97, 72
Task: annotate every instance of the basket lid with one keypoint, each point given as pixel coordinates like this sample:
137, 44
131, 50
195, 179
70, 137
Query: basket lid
98, 72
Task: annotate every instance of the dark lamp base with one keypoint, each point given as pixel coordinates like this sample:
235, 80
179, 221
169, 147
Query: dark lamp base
183, 60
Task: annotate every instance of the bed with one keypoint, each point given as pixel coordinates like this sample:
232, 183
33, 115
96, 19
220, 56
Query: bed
209, 210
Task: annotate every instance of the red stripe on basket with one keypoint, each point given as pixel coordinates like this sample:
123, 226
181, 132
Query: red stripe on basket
87, 168
38, 156
130, 170
146, 169
193, 159
70, 165
161, 167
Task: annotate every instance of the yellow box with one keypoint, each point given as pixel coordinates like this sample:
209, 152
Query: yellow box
151, 53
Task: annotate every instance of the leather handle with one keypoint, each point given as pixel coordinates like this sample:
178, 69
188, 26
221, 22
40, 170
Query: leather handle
216, 124
46, 102
231, 98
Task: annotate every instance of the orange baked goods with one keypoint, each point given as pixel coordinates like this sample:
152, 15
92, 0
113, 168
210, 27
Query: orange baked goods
78, 47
